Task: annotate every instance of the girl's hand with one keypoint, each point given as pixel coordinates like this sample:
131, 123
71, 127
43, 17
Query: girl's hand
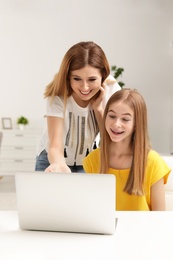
58, 167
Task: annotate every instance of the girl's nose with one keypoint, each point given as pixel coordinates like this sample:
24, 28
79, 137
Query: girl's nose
118, 122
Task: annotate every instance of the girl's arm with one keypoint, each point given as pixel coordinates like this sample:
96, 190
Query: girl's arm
158, 196
56, 146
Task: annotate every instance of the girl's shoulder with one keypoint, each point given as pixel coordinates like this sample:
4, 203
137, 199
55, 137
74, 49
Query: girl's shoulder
94, 154
153, 155
157, 167
91, 162
156, 160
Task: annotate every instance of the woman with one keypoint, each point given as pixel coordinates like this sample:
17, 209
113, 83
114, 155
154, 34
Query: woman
75, 103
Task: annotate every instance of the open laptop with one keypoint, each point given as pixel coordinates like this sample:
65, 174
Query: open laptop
66, 202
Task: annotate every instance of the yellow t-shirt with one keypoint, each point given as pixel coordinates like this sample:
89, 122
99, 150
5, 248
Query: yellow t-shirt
155, 170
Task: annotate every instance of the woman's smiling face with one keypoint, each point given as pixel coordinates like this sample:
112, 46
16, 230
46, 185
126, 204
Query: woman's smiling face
85, 83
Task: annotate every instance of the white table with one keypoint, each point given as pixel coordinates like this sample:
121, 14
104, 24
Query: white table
139, 235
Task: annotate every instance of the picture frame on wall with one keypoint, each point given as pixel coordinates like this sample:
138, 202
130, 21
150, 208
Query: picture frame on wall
6, 123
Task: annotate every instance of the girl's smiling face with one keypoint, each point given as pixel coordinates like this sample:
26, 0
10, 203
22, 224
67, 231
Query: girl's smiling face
85, 83
119, 122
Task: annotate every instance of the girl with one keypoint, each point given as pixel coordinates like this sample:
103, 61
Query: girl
125, 152
75, 102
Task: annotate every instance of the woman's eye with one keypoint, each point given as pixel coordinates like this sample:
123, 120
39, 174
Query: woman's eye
92, 79
76, 79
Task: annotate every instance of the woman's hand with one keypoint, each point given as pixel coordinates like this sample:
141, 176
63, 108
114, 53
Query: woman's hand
58, 167
56, 146
97, 106
97, 103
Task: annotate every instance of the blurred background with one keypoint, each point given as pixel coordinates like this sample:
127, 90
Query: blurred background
136, 35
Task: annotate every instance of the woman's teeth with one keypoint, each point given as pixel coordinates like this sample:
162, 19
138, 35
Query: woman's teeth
85, 92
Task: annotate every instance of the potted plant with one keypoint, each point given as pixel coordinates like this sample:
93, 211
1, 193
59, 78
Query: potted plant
22, 122
116, 73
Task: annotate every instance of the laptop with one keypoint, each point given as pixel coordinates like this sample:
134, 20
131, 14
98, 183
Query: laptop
66, 202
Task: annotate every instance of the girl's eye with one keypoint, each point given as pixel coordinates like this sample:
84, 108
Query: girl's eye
126, 119
112, 116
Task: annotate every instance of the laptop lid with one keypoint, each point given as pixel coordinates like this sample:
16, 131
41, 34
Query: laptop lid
66, 202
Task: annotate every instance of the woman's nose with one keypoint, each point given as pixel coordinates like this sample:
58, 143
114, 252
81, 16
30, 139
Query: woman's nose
85, 85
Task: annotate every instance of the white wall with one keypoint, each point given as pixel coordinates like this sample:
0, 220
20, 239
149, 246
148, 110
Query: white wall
136, 34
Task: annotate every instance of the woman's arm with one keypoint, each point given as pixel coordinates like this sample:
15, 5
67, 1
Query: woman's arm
109, 87
56, 146
158, 196
98, 108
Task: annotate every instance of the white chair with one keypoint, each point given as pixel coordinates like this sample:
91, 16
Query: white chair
169, 186
0, 138
0, 147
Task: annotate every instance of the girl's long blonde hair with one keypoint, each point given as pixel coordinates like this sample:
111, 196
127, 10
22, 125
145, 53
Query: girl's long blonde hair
140, 140
77, 57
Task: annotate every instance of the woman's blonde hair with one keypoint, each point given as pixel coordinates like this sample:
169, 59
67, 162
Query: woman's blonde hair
77, 57
140, 140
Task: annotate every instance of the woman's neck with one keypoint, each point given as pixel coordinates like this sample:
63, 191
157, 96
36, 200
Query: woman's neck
79, 101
